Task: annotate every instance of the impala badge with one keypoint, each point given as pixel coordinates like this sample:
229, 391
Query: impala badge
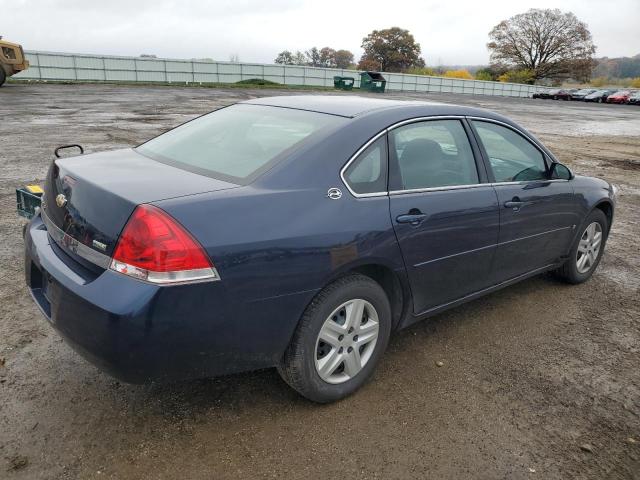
61, 200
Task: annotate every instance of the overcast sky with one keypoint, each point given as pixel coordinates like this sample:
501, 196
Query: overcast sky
449, 32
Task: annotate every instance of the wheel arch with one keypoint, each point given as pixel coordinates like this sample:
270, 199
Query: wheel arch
607, 208
392, 282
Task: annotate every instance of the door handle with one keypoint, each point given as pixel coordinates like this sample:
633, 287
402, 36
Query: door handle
412, 218
515, 203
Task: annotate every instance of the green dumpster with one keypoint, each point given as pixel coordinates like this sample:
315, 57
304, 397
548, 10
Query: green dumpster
372, 82
343, 83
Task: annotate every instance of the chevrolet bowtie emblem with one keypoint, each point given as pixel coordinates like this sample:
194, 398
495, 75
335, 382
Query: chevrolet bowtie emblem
61, 200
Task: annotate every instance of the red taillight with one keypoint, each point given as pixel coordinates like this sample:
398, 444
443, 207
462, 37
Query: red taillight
156, 248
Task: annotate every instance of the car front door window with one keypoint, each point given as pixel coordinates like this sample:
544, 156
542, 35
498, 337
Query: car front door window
512, 157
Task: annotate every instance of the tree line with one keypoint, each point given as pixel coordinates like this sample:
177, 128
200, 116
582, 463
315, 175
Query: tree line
534, 45
314, 57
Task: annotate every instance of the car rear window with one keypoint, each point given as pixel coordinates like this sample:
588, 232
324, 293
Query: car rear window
239, 142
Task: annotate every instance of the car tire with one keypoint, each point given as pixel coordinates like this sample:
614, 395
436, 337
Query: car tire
599, 100
3, 76
571, 271
302, 362
555, 97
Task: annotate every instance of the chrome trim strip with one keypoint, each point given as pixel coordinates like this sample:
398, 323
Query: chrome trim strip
378, 135
438, 189
455, 255
452, 187
526, 182
490, 246
423, 119
534, 235
67, 242
179, 277
352, 159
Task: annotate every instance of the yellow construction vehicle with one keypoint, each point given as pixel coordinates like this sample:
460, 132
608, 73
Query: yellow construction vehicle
12, 60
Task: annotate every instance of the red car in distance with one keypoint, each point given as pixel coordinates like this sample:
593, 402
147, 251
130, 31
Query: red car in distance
619, 97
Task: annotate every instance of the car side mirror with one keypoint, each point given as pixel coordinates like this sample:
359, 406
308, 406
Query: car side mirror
559, 171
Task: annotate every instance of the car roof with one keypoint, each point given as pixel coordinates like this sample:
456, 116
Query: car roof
352, 106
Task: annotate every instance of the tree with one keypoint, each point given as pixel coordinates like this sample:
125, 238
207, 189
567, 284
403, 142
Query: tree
284, 58
393, 49
517, 76
368, 65
287, 58
299, 58
343, 58
327, 57
313, 57
548, 43
492, 72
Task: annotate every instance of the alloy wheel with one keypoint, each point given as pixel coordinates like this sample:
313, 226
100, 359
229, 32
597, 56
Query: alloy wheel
589, 247
346, 341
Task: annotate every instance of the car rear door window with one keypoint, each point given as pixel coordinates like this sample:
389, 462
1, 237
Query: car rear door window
513, 158
431, 154
368, 172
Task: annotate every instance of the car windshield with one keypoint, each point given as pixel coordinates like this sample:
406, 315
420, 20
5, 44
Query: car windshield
601, 92
552, 92
584, 91
239, 142
622, 92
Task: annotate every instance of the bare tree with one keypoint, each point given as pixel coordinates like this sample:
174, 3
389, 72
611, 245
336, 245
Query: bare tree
548, 43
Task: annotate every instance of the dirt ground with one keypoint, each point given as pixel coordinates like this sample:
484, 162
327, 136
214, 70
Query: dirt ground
540, 380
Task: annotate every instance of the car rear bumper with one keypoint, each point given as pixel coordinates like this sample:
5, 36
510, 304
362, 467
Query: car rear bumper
139, 332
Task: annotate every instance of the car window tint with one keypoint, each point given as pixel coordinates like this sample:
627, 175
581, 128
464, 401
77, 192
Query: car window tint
368, 172
431, 154
512, 157
237, 142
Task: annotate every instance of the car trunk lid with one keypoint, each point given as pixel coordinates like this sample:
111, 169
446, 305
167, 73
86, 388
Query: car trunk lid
88, 199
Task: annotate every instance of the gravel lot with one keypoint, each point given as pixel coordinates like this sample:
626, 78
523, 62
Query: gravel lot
540, 380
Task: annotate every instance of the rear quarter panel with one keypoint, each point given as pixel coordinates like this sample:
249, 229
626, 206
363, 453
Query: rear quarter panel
278, 241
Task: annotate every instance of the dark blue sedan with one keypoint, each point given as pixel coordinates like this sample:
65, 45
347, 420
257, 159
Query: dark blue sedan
300, 232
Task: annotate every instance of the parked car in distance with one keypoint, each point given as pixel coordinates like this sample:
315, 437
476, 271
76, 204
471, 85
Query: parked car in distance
580, 94
300, 232
621, 96
635, 98
555, 94
599, 96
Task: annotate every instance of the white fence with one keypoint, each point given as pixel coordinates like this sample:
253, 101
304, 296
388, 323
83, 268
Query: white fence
80, 67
